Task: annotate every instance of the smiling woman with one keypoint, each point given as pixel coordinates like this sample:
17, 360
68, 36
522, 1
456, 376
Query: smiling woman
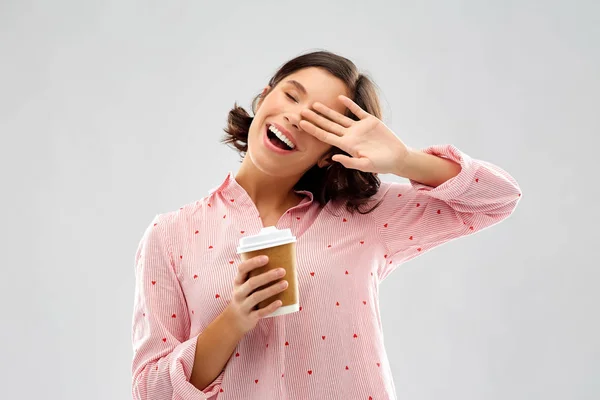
316, 142
317, 76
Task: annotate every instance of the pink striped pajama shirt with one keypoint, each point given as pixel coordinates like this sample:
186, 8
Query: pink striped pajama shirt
333, 347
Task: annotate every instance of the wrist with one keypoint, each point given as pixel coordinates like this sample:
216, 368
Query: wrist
405, 162
228, 317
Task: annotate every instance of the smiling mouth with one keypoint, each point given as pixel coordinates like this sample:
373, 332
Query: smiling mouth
276, 141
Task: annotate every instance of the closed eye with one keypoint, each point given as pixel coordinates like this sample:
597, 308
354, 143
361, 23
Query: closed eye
288, 95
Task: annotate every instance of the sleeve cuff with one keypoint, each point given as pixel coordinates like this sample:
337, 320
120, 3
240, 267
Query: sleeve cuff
181, 371
454, 187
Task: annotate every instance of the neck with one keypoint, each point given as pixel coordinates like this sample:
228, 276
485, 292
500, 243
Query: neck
270, 194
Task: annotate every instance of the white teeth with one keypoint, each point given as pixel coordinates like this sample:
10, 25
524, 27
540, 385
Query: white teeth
281, 136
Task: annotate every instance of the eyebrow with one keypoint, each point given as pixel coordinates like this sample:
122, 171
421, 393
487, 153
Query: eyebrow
298, 85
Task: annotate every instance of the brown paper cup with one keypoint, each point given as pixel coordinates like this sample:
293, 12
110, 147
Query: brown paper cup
280, 256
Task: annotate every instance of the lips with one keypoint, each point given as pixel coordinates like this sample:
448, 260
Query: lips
287, 133
267, 142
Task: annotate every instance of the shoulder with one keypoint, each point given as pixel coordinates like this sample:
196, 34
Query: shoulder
393, 189
176, 223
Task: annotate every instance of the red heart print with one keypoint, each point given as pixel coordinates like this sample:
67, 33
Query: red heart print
347, 368
237, 354
385, 256
476, 179
439, 211
300, 308
419, 249
154, 282
370, 398
210, 247
337, 303
155, 224
310, 371
224, 216
410, 238
164, 339
364, 302
144, 314
282, 375
418, 204
180, 257
355, 336
256, 381
399, 194
196, 232
173, 316
195, 276
221, 390
312, 274
328, 246
344, 220
346, 272
362, 242
385, 225
379, 365
298, 218
192, 311
231, 262
209, 205
217, 296
471, 228
287, 344
232, 200
242, 232
181, 208
323, 337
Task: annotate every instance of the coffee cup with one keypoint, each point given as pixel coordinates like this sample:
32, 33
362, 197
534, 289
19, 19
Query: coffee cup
280, 247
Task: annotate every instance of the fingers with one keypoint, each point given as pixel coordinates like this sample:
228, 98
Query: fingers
252, 284
321, 134
323, 122
263, 312
248, 265
333, 115
353, 107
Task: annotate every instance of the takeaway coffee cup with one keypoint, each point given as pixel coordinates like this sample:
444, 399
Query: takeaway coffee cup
280, 247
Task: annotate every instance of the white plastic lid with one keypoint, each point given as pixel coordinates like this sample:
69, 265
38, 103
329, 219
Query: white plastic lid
269, 236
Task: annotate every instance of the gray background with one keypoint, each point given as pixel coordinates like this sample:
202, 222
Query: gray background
111, 112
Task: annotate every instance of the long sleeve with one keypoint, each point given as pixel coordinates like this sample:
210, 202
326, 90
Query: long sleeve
163, 351
414, 218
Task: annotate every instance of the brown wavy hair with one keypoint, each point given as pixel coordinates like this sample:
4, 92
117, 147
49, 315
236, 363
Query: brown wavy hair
334, 182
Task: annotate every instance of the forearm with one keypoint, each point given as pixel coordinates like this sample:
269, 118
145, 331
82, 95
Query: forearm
427, 169
214, 347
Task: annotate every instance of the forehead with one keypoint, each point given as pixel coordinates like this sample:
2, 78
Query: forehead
320, 86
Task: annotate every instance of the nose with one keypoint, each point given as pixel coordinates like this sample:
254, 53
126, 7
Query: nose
294, 120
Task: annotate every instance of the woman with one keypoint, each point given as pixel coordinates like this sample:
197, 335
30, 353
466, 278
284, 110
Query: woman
194, 320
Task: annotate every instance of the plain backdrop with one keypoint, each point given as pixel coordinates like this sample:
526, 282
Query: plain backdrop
111, 112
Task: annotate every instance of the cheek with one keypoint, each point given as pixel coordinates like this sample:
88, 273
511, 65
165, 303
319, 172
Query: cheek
318, 148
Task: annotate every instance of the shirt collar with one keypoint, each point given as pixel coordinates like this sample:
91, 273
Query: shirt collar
230, 187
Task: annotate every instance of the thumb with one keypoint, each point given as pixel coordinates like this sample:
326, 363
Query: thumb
351, 162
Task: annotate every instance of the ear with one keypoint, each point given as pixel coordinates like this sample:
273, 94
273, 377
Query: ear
262, 96
325, 160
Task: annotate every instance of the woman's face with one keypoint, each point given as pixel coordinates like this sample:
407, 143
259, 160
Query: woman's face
282, 107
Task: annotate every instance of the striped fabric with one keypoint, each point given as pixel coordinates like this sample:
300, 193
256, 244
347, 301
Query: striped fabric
333, 347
